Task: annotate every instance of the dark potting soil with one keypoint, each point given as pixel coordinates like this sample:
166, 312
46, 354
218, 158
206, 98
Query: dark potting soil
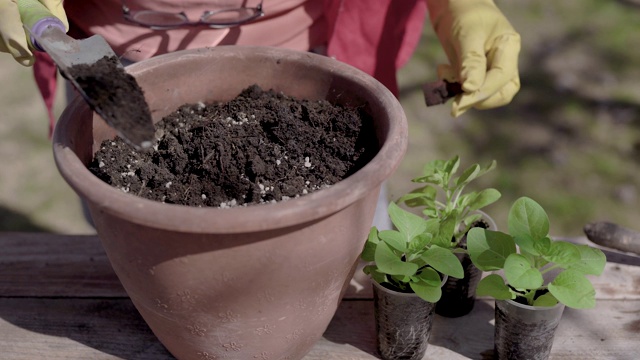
116, 96
522, 300
440, 91
260, 147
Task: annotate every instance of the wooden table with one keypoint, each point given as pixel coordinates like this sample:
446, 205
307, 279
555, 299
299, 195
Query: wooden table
59, 299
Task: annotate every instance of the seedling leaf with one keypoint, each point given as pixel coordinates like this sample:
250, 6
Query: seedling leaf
493, 285
389, 263
521, 274
424, 196
420, 242
394, 239
468, 175
574, 290
368, 253
433, 167
489, 249
527, 245
591, 261
542, 245
444, 261
562, 253
490, 167
430, 276
484, 198
428, 288
528, 223
406, 222
431, 213
545, 300
433, 226
375, 274
435, 179
451, 166
464, 200
446, 231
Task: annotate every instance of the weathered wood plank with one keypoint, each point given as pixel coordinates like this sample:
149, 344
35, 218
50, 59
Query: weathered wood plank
41, 264
48, 265
610, 331
94, 318
112, 329
75, 329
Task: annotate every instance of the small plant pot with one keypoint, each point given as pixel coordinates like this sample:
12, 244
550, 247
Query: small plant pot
459, 295
403, 323
525, 332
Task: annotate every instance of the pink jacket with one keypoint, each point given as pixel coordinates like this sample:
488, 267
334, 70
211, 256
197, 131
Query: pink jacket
376, 36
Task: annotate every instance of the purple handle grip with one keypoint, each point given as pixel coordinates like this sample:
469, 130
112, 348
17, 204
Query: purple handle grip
40, 26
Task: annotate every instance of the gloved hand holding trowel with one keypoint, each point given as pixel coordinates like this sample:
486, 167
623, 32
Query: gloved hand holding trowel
13, 37
90, 65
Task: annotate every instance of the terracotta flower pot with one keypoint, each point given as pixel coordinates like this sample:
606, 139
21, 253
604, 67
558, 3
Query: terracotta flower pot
261, 281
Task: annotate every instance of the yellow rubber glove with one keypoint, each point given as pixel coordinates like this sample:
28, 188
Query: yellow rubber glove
13, 38
482, 48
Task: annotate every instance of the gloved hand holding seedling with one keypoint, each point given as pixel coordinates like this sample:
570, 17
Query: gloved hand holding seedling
537, 255
13, 39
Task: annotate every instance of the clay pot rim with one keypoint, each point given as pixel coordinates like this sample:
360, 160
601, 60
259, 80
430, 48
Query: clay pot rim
310, 207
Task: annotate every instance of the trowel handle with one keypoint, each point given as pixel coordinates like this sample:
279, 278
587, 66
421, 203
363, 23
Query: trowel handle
36, 18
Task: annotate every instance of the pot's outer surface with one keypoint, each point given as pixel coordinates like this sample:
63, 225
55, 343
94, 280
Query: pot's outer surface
403, 323
459, 295
260, 281
525, 332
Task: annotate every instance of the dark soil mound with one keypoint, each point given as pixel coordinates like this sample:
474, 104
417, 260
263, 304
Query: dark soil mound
260, 147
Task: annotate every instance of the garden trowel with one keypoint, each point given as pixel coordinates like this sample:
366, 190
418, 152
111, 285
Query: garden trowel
95, 71
613, 236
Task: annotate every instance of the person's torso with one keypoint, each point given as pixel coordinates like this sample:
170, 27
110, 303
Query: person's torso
293, 24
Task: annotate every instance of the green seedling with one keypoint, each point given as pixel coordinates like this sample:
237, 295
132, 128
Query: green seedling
526, 254
409, 259
444, 198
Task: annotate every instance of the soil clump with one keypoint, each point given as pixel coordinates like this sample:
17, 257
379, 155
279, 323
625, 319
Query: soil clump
440, 91
117, 97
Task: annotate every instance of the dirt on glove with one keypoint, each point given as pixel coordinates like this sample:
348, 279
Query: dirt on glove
440, 91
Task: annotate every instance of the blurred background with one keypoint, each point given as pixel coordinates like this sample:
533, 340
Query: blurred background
570, 139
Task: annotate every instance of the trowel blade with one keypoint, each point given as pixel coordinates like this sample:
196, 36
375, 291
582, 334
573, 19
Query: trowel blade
69, 54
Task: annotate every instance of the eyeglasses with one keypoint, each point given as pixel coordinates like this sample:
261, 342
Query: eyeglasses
219, 19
